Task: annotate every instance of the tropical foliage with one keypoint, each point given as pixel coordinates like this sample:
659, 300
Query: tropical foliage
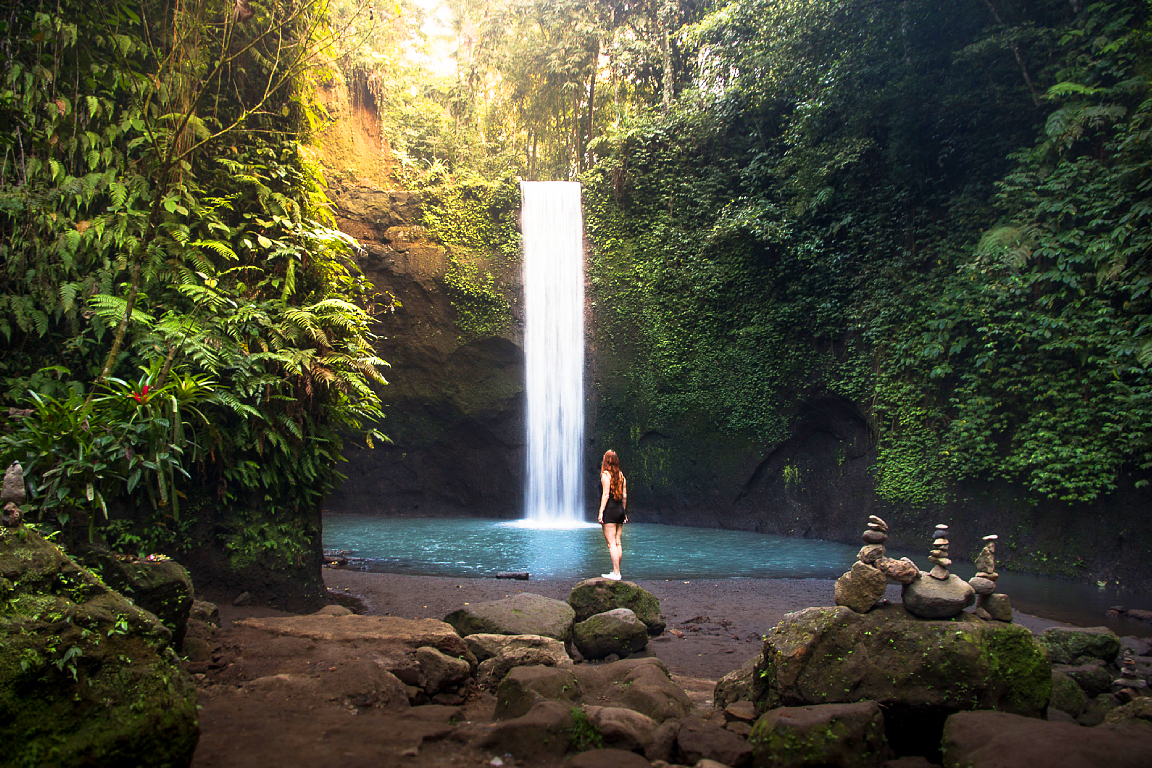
936, 209
178, 311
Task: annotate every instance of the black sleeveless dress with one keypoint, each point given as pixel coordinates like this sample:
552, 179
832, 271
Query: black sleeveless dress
614, 510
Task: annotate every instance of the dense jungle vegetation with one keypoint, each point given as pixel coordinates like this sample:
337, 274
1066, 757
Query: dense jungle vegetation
937, 209
185, 333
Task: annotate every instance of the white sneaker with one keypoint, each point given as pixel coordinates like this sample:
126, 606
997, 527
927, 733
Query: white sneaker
607, 576
613, 576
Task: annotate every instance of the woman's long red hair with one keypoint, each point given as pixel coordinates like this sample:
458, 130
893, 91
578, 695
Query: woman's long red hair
611, 465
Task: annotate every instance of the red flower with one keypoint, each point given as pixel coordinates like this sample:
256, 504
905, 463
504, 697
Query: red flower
143, 396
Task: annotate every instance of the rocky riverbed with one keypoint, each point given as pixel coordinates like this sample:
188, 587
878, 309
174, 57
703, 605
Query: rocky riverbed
293, 694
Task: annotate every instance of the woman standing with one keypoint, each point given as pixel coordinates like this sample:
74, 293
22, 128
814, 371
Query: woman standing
613, 508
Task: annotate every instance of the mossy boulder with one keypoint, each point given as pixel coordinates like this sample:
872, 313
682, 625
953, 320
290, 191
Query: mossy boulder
920, 671
87, 678
843, 735
736, 685
593, 596
521, 614
1067, 695
156, 584
617, 631
1068, 644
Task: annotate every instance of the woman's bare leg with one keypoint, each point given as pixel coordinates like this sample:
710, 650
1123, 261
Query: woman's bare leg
612, 536
619, 549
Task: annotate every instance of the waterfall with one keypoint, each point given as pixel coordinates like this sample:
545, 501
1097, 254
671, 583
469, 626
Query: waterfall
554, 351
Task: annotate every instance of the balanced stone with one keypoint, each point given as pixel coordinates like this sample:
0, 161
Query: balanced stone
938, 553
982, 586
998, 606
940, 542
879, 521
874, 537
860, 588
939, 572
986, 560
876, 527
12, 492
902, 571
938, 598
870, 553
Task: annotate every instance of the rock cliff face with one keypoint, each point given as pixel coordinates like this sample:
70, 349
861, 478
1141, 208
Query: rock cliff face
455, 409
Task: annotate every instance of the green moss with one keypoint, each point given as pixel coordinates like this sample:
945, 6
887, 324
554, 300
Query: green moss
1017, 661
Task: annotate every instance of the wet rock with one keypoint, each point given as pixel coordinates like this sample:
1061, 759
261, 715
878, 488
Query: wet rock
1001, 740
486, 646
622, 728
916, 669
700, 739
544, 732
870, 553
935, 598
87, 678
1066, 644
861, 587
617, 631
874, 537
593, 596
522, 614
1067, 696
821, 735
736, 685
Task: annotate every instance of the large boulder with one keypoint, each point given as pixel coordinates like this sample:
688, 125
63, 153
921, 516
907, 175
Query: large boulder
842, 735
736, 685
919, 671
485, 646
1067, 696
86, 677
698, 739
402, 647
593, 596
521, 614
155, 583
1005, 740
621, 728
1093, 678
1067, 644
617, 631
932, 598
641, 685
544, 733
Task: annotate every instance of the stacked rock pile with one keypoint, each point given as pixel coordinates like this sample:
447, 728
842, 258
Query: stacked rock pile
939, 554
1097, 677
989, 605
938, 594
864, 585
12, 495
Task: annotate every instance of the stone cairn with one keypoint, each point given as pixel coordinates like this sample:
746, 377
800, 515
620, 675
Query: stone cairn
12, 495
938, 594
864, 585
989, 604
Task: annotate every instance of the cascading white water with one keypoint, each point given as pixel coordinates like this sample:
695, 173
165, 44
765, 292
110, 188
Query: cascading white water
554, 351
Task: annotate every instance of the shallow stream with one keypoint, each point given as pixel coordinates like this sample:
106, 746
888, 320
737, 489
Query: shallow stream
465, 547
